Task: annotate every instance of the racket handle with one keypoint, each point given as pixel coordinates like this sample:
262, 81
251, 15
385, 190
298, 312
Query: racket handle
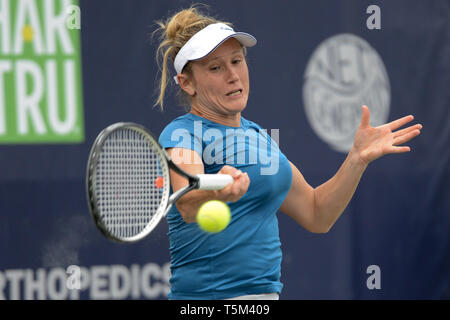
213, 181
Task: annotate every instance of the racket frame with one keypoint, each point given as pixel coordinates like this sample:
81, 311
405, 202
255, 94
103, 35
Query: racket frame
93, 159
202, 181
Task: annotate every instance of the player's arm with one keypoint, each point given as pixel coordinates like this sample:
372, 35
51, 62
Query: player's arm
317, 209
300, 201
191, 162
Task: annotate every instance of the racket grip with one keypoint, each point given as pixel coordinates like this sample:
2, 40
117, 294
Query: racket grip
213, 181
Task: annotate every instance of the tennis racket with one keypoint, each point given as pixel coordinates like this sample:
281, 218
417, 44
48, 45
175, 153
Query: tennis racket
128, 182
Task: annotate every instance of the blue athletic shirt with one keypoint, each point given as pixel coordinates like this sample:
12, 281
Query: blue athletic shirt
245, 258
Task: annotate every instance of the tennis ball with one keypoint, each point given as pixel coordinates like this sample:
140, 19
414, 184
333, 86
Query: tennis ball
213, 216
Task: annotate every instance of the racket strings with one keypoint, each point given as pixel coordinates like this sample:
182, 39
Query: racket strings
126, 193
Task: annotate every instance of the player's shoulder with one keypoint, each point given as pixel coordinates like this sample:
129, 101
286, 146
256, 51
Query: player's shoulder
184, 121
248, 124
180, 120
180, 127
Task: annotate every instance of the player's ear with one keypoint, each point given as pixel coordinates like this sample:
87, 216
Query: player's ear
186, 83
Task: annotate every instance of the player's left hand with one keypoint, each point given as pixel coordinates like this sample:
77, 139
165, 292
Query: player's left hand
371, 143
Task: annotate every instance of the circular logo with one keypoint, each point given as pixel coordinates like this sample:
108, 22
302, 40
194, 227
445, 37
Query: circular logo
344, 73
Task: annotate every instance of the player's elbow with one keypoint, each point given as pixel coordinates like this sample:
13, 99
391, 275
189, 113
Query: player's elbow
318, 225
314, 226
319, 229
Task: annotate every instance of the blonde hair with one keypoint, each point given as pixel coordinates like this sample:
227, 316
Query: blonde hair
175, 32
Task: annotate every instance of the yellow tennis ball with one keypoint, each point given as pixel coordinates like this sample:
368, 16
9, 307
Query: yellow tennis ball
213, 216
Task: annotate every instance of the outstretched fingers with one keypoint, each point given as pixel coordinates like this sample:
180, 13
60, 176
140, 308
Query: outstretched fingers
365, 117
407, 130
406, 137
400, 149
400, 122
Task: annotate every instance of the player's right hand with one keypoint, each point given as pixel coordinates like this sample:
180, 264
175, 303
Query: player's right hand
233, 191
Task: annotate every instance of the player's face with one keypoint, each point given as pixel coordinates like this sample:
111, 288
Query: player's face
220, 81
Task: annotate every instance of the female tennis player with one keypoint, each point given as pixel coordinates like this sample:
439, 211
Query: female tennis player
244, 260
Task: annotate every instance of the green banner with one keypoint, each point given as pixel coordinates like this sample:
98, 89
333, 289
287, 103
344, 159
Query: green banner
40, 72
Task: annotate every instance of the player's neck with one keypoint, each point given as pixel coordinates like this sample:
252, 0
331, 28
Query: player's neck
231, 120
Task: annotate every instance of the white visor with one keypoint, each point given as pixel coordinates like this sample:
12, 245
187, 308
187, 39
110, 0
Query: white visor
206, 41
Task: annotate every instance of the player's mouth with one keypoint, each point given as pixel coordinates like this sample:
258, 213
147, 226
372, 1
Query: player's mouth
234, 93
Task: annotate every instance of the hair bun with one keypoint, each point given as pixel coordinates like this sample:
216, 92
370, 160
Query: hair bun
174, 33
181, 21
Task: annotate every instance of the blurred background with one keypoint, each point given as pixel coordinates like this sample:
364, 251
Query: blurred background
70, 68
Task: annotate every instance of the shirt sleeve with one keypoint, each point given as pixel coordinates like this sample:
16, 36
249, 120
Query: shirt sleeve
180, 134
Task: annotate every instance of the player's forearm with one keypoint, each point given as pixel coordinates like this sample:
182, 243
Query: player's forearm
332, 197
